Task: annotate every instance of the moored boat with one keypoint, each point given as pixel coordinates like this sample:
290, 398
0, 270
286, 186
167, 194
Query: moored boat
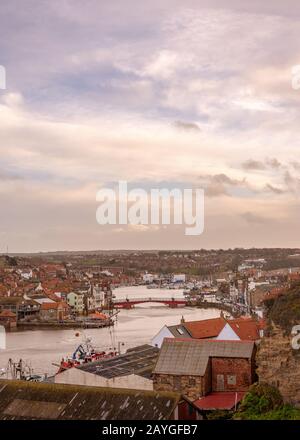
84, 353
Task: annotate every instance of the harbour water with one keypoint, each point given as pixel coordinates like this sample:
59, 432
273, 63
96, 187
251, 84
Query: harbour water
41, 348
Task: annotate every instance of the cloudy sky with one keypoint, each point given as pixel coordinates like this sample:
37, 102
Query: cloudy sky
161, 93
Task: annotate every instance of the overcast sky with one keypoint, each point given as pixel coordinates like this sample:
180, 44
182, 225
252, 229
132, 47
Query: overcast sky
158, 93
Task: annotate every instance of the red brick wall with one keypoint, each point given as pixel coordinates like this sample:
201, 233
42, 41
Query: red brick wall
240, 368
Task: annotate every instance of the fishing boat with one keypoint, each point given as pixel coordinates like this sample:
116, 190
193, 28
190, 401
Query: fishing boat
84, 353
21, 370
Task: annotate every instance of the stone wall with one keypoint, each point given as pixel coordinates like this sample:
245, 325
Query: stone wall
279, 365
192, 387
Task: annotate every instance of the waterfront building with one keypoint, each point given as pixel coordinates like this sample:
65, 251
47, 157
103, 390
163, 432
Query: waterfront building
56, 311
76, 301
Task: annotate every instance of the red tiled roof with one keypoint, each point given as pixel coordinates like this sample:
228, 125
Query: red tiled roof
7, 314
247, 329
98, 315
224, 400
273, 293
294, 276
262, 324
55, 305
207, 328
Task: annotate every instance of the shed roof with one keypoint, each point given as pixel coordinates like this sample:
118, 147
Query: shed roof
138, 360
190, 356
21, 400
219, 401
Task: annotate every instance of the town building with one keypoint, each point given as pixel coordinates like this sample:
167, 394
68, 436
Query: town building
98, 295
8, 319
22, 308
179, 278
196, 368
76, 301
148, 278
171, 331
56, 311
239, 329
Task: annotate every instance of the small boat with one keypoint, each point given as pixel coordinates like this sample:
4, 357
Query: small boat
21, 370
84, 353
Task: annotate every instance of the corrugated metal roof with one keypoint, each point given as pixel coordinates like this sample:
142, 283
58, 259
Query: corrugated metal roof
138, 360
190, 357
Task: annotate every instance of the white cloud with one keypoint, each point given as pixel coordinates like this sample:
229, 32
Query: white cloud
102, 100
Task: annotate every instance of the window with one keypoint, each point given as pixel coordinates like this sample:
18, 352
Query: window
220, 382
231, 379
192, 381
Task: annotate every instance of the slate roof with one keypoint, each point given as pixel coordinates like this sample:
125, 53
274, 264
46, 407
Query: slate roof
179, 331
20, 400
138, 360
191, 356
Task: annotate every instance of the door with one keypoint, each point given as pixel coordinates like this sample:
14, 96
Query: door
220, 382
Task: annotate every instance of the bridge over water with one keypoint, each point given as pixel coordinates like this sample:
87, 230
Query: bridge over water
128, 303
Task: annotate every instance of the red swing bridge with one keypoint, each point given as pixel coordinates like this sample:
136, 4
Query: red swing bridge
129, 303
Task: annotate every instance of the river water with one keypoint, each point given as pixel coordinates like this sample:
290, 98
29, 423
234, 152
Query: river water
40, 348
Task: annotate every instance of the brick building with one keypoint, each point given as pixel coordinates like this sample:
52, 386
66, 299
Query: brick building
22, 308
55, 311
196, 368
8, 319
